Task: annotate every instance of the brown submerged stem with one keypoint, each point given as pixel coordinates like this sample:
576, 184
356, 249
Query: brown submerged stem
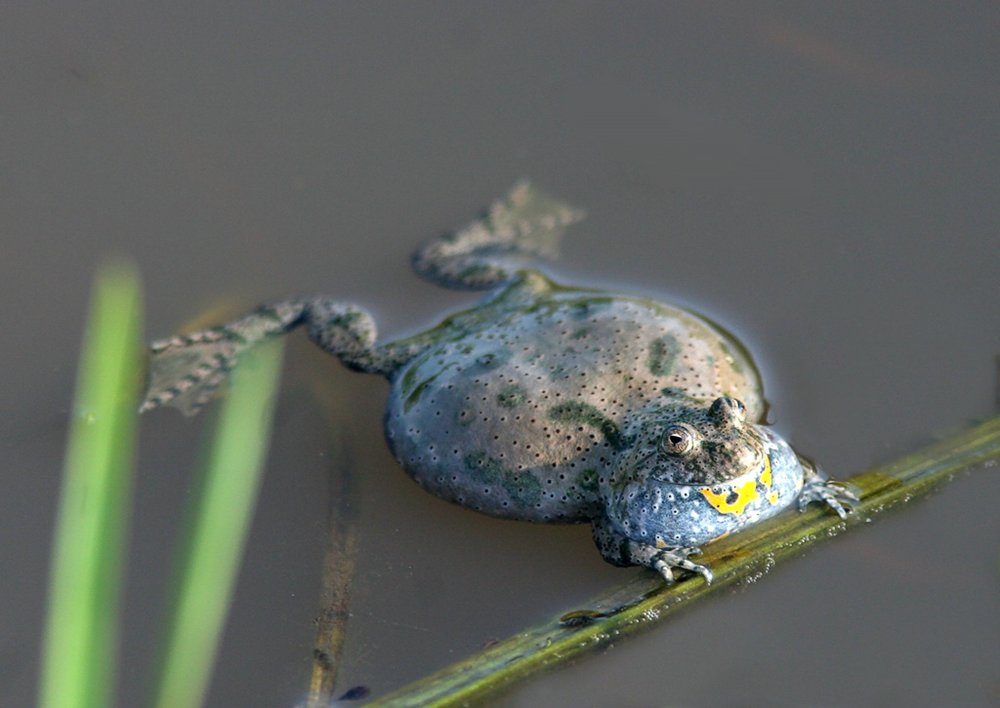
340, 554
644, 600
339, 563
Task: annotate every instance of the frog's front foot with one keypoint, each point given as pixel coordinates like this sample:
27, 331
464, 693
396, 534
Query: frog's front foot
666, 559
834, 494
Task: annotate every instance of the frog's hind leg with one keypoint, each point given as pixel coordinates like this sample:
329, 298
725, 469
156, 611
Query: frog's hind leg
185, 371
526, 224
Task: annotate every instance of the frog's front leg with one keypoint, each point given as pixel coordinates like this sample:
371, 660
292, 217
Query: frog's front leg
817, 488
620, 550
185, 371
488, 252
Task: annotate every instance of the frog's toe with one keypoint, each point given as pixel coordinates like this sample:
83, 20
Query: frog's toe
834, 494
669, 558
185, 372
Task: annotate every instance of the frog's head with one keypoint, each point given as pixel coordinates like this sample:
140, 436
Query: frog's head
686, 460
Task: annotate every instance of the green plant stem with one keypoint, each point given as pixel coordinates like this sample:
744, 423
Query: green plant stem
79, 652
645, 601
216, 531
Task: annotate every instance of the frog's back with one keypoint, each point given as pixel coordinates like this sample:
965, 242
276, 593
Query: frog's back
518, 406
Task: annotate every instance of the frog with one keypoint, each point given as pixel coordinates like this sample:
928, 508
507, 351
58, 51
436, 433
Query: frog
546, 402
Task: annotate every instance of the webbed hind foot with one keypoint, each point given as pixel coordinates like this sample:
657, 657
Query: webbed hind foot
526, 224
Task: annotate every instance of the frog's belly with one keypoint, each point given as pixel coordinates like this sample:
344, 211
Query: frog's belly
522, 418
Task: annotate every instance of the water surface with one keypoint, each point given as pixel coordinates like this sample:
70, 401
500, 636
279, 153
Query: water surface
821, 181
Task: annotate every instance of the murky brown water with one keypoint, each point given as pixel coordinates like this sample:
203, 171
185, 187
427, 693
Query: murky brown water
824, 182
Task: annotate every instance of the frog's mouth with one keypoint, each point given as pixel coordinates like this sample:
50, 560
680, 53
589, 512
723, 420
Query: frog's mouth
733, 497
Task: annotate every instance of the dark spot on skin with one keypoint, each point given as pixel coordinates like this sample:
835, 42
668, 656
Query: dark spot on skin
732, 497
587, 480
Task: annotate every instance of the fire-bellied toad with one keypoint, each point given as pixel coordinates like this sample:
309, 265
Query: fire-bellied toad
549, 403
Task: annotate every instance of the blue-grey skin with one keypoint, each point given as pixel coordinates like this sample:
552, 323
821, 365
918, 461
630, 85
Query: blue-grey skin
547, 403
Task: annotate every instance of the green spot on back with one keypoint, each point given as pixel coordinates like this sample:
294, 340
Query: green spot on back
412, 399
475, 270
558, 372
494, 359
522, 486
412, 390
512, 396
678, 393
343, 320
408, 380
586, 414
662, 354
731, 357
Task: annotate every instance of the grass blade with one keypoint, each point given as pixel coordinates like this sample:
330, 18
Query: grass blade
216, 530
79, 653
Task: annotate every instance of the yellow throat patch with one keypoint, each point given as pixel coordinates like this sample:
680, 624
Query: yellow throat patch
735, 500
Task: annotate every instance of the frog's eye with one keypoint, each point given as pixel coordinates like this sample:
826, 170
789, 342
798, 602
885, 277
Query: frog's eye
677, 440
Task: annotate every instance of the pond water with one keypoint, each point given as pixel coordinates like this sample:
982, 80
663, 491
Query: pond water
822, 181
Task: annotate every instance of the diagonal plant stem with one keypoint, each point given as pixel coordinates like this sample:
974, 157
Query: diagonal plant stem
339, 564
644, 600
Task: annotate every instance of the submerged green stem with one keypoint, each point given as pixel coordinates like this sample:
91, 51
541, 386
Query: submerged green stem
216, 530
644, 600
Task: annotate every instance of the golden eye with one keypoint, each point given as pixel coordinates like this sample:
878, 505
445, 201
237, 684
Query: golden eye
677, 440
